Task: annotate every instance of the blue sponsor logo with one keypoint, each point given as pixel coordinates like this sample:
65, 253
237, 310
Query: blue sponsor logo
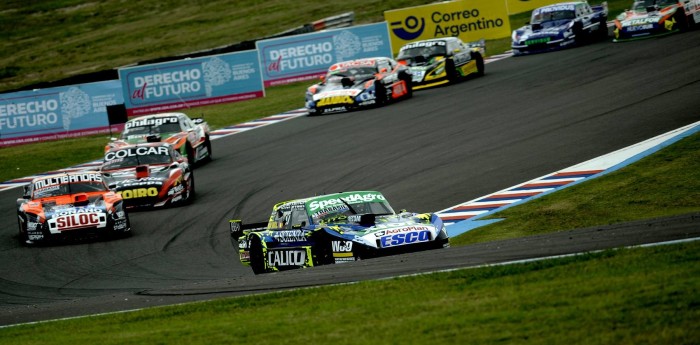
409, 29
405, 238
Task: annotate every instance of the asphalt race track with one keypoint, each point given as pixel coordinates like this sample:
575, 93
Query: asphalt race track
527, 117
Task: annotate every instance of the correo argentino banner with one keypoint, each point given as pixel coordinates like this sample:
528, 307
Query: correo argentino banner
470, 20
189, 83
56, 113
302, 57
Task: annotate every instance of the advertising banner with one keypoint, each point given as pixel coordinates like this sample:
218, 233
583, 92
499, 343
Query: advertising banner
470, 20
302, 57
55, 113
519, 6
189, 83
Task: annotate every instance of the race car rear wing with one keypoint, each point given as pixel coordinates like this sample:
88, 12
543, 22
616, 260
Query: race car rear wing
238, 229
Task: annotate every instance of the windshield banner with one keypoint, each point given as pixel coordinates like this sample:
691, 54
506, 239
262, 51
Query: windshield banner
519, 6
189, 83
56, 113
302, 57
468, 20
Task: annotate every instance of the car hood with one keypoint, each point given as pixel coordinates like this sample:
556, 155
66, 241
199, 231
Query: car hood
126, 178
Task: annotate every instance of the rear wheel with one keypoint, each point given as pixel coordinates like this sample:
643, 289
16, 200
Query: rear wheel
257, 258
189, 151
380, 93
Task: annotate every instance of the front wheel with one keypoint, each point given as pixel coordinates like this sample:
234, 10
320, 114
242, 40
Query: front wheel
208, 146
22, 231
189, 190
480, 68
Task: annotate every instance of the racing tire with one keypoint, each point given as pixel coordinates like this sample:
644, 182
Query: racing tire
257, 258
603, 29
189, 151
22, 232
451, 71
480, 67
190, 192
681, 20
380, 93
207, 144
578, 32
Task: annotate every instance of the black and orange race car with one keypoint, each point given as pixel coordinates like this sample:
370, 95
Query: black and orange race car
149, 175
189, 136
75, 204
358, 84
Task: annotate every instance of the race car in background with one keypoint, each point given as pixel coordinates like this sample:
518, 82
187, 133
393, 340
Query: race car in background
656, 17
440, 61
69, 205
559, 26
333, 228
361, 83
189, 136
148, 175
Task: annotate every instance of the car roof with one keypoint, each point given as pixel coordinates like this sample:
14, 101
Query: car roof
570, 3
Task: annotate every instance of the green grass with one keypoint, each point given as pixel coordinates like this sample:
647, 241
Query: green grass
664, 184
629, 296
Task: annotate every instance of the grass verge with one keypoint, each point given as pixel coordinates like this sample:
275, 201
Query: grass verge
663, 184
628, 296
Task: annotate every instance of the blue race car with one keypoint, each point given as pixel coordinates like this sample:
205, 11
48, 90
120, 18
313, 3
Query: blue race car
333, 228
559, 26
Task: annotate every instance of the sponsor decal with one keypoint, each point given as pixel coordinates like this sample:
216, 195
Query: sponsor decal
400, 230
153, 121
145, 181
409, 29
73, 178
341, 246
537, 40
136, 151
32, 226
334, 110
555, 8
138, 193
334, 100
640, 27
176, 189
120, 225
424, 44
316, 205
640, 21
289, 236
77, 211
404, 238
286, 257
77, 221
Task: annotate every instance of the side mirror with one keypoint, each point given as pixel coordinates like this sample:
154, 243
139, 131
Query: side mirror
323, 78
26, 192
198, 120
383, 70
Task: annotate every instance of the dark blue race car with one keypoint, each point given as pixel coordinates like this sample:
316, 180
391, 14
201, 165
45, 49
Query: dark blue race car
560, 25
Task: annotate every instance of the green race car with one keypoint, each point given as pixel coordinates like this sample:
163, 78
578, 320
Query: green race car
333, 228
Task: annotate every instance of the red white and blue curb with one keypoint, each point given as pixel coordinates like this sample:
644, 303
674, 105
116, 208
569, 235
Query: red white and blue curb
219, 133
467, 216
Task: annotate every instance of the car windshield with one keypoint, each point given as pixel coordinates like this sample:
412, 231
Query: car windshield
135, 156
67, 184
426, 51
641, 6
548, 14
354, 73
339, 213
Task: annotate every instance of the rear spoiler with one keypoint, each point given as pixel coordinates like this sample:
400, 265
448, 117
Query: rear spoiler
238, 229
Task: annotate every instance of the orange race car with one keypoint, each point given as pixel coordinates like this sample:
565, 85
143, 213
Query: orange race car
149, 175
75, 204
188, 136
